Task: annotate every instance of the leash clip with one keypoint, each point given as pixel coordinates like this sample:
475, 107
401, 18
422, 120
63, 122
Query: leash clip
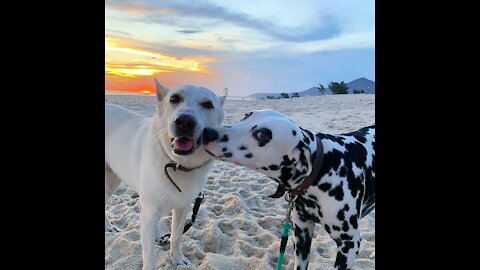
289, 198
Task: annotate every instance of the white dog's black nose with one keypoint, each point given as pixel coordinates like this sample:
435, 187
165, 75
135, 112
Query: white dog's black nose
209, 135
185, 123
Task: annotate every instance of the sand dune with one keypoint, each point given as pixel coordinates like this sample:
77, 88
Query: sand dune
238, 226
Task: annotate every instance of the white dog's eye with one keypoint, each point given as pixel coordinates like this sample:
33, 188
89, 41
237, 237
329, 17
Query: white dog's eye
175, 99
207, 104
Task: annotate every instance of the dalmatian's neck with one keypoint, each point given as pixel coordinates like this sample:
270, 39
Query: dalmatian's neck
294, 171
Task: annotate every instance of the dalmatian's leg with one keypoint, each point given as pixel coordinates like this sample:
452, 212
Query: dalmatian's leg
302, 241
348, 244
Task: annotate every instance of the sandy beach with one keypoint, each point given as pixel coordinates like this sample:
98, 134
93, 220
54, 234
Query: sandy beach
238, 227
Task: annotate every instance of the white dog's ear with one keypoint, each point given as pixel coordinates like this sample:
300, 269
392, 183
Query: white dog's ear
160, 90
224, 95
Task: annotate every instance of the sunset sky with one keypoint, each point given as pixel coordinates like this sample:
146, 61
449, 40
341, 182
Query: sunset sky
247, 46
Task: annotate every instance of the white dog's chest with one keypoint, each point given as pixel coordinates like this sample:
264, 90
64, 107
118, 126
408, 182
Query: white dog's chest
160, 193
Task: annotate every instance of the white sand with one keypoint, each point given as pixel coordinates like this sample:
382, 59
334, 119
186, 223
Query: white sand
238, 226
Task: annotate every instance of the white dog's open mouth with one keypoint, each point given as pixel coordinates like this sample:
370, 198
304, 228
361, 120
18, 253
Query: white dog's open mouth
183, 145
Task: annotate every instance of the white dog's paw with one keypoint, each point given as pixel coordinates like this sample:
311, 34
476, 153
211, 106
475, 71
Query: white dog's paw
179, 259
112, 228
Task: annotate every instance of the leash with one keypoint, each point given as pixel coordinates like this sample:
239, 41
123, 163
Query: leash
176, 166
164, 240
286, 224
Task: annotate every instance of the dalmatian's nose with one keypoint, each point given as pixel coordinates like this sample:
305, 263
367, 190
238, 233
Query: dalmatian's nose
209, 135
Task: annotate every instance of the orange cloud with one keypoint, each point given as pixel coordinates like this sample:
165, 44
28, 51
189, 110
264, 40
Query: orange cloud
125, 66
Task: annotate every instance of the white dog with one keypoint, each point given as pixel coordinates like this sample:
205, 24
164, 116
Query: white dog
146, 151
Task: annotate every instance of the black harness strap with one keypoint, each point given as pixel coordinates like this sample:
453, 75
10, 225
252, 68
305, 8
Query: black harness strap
176, 166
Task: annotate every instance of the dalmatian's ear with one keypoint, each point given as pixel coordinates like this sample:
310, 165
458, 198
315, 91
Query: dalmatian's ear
160, 90
223, 97
303, 156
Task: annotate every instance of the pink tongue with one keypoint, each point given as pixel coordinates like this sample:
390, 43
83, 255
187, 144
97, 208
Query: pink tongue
184, 144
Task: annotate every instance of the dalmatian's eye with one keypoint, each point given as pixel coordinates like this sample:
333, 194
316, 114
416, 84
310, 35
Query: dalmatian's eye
175, 99
263, 135
207, 104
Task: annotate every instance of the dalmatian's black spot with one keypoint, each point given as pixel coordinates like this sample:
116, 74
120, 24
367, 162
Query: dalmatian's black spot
345, 226
327, 228
249, 155
353, 221
286, 161
265, 168
228, 155
337, 139
325, 187
294, 133
343, 171
346, 207
301, 205
224, 138
345, 236
274, 167
336, 228
304, 242
306, 140
337, 192
361, 139
286, 174
310, 134
338, 242
224, 149
341, 215
347, 245
246, 116
331, 162
253, 127
341, 261
242, 148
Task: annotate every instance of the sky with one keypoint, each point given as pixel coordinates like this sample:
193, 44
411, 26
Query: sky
245, 46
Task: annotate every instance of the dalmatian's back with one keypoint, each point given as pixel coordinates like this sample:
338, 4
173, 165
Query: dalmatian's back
343, 193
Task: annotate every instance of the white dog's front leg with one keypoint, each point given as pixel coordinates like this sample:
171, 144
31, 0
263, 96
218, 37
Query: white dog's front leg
178, 222
148, 232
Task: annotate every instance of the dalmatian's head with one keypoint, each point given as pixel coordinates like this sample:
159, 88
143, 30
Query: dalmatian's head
266, 141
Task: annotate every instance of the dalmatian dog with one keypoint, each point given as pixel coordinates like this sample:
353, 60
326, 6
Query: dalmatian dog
162, 158
330, 177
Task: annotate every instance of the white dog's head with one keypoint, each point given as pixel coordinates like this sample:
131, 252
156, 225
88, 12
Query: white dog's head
182, 114
266, 141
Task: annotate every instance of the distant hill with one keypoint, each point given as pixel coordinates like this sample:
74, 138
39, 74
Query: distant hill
359, 84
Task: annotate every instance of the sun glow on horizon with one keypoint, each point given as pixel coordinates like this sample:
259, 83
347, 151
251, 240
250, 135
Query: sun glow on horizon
131, 62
